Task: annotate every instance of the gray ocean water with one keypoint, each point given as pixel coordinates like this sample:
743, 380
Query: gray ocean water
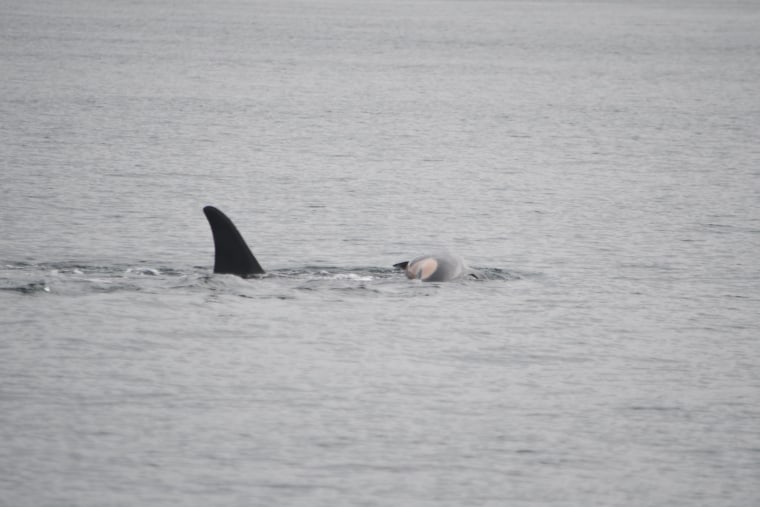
599, 160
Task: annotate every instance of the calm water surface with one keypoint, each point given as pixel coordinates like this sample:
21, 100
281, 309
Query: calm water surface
599, 160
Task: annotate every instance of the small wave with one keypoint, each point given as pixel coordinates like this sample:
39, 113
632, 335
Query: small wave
29, 288
354, 276
499, 274
77, 278
143, 271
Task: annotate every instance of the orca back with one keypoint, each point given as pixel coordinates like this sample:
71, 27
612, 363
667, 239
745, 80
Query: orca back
231, 253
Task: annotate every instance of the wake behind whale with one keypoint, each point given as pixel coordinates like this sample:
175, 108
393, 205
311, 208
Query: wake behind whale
233, 256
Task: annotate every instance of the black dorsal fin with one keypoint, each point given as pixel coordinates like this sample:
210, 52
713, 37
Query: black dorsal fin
231, 254
401, 265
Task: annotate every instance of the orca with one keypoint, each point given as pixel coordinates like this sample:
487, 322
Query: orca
231, 253
232, 256
438, 268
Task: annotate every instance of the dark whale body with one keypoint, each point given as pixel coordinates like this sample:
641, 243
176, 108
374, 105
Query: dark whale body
231, 253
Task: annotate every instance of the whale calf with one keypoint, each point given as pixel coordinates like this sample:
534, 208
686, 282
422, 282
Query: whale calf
232, 256
438, 268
